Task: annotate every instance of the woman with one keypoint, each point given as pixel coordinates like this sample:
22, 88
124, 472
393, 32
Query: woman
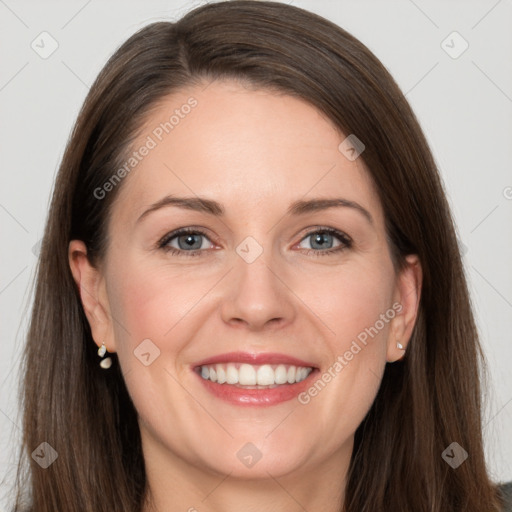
189, 349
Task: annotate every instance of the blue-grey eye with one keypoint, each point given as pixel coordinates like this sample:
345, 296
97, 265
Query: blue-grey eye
189, 241
186, 241
320, 240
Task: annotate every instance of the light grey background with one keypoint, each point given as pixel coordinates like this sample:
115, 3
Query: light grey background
464, 105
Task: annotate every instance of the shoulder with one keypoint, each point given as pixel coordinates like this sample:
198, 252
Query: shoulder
506, 493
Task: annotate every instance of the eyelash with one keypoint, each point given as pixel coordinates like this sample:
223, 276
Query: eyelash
346, 242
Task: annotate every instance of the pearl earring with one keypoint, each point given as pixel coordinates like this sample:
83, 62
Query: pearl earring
105, 363
399, 345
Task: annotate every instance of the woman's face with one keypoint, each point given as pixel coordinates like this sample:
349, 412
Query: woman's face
270, 285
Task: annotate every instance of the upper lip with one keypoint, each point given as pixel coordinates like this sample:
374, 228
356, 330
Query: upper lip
255, 359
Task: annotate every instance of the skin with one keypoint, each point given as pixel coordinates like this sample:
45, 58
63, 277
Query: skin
255, 152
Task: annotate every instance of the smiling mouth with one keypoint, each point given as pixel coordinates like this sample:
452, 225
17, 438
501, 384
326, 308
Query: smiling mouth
249, 376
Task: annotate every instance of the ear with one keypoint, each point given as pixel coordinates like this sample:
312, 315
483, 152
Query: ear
91, 286
407, 299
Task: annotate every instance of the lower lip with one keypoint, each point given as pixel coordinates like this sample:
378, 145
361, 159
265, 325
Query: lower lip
256, 397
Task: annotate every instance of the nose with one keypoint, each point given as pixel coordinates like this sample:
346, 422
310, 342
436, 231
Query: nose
257, 296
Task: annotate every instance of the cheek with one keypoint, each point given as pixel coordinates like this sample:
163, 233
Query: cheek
351, 300
151, 302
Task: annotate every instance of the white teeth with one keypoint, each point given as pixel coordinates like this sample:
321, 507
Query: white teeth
254, 375
231, 374
281, 375
265, 375
247, 375
221, 374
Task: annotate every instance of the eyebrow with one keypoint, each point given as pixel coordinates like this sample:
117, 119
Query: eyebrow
300, 207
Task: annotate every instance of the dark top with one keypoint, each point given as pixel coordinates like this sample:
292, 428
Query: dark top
506, 491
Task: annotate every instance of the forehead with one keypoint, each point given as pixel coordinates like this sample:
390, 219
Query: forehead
252, 150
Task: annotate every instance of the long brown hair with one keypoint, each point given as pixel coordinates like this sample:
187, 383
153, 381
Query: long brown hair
425, 402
